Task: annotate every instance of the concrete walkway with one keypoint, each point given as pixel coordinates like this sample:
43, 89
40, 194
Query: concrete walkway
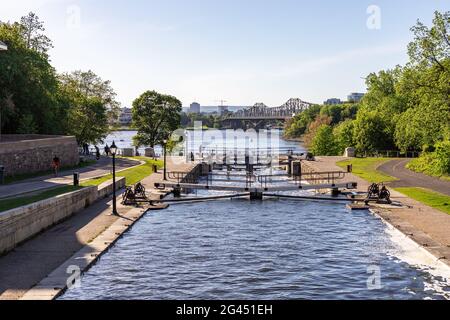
77, 241
407, 178
102, 167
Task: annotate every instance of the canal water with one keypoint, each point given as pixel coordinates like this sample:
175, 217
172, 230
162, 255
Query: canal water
275, 249
213, 140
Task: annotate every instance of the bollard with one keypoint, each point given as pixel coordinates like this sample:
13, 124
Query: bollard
349, 168
296, 168
289, 166
256, 196
335, 192
76, 179
177, 192
2, 174
155, 168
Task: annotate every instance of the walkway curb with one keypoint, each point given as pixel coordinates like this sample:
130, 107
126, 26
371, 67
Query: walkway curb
57, 282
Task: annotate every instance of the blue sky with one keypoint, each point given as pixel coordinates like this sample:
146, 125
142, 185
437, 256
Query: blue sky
243, 51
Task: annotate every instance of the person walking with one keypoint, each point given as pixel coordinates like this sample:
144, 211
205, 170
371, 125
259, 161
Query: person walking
107, 150
86, 149
97, 153
56, 164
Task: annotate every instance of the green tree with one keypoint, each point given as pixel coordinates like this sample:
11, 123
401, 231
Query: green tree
155, 116
431, 45
371, 132
343, 134
425, 84
300, 123
81, 85
28, 86
32, 30
323, 143
88, 120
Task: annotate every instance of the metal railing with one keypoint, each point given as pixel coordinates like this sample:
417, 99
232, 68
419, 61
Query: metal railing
389, 154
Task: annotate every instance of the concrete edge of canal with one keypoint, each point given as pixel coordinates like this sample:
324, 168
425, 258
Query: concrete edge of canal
57, 282
422, 241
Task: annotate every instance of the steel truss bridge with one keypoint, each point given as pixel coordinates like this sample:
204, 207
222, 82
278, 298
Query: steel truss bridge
260, 113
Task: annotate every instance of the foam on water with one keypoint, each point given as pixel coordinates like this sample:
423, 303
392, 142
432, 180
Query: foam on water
415, 255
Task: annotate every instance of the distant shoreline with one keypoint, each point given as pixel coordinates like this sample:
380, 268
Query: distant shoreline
299, 139
123, 129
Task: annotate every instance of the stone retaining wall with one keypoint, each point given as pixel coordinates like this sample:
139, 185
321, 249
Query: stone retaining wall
22, 154
106, 188
20, 224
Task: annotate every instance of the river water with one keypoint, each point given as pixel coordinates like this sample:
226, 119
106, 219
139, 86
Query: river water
274, 249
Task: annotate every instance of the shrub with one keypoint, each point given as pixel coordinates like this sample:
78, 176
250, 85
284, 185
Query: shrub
323, 143
435, 163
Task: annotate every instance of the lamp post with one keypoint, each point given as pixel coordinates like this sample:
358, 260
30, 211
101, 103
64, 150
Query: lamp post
113, 149
165, 159
3, 47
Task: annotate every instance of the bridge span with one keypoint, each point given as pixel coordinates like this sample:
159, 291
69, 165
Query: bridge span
260, 114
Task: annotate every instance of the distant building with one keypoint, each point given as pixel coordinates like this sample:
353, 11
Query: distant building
3, 46
125, 117
333, 101
355, 97
194, 108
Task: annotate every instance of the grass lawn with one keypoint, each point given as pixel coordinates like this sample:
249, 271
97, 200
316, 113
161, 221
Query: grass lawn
433, 199
21, 177
133, 175
366, 168
8, 204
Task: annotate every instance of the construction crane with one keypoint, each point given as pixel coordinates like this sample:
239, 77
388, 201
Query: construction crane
221, 102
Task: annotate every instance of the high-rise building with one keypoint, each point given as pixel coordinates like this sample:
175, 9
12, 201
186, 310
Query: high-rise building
194, 108
355, 97
333, 101
125, 117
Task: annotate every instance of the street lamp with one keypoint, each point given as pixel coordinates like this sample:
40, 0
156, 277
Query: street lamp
3, 47
113, 149
165, 159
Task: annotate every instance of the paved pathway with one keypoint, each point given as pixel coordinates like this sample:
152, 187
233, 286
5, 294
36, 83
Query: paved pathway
102, 167
407, 178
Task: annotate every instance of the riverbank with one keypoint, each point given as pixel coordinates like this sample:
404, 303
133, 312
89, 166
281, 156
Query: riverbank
426, 226
40, 268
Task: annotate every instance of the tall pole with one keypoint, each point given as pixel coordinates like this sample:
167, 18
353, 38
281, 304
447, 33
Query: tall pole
3, 47
165, 162
114, 186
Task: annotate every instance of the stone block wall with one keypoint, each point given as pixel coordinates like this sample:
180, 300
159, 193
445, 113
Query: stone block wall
22, 154
20, 224
106, 188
